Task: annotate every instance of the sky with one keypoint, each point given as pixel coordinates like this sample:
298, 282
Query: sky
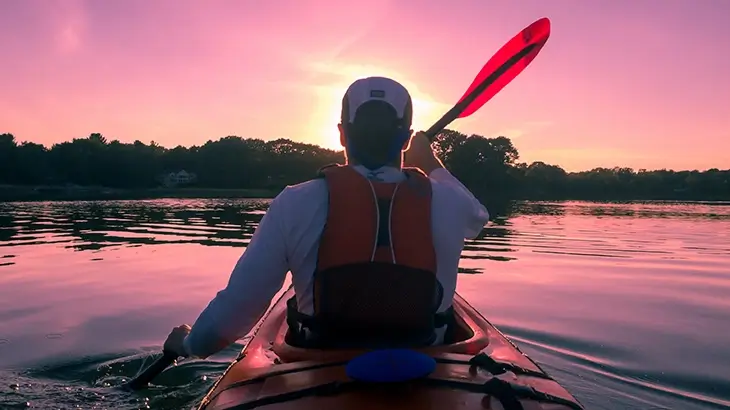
637, 83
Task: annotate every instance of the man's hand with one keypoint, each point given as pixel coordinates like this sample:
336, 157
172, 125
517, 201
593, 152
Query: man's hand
174, 342
420, 154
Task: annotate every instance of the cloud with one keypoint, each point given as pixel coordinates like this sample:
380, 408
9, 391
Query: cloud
69, 37
70, 26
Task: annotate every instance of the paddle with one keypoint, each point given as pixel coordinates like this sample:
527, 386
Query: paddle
502, 68
144, 378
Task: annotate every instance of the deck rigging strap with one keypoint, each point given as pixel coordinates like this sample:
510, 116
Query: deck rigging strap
509, 394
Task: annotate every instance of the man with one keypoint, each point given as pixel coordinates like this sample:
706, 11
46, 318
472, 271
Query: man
373, 248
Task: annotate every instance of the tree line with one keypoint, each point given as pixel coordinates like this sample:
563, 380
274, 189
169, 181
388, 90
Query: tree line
488, 166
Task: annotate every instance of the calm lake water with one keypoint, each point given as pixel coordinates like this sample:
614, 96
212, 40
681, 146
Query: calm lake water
627, 305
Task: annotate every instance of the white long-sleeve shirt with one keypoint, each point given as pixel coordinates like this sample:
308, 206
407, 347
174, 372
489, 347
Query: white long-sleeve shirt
287, 240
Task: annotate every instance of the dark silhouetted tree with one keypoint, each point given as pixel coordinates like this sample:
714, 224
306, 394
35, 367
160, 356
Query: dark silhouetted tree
487, 166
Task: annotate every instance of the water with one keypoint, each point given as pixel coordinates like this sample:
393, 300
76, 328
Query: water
627, 305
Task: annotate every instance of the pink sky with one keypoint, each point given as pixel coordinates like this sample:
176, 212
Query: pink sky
640, 83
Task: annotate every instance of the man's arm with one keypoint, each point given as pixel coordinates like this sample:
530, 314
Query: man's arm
258, 275
420, 154
474, 214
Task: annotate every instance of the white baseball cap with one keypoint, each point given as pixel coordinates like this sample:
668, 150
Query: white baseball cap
377, 89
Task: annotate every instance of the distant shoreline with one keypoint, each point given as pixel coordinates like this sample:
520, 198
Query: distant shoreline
19, 193
22, 193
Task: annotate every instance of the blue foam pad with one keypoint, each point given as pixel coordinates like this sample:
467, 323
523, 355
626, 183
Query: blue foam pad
390, 366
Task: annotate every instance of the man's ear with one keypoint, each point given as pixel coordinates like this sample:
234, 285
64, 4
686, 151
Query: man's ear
343, 139
407, 142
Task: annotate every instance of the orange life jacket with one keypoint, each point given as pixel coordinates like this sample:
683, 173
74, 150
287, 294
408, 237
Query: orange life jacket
375, 282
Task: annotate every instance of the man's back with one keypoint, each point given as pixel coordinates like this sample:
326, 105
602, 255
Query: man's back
302, 213
287, 240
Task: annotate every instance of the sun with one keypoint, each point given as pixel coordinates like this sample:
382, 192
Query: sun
326, 112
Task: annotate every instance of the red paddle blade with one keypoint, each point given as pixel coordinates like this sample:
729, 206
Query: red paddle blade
498, 72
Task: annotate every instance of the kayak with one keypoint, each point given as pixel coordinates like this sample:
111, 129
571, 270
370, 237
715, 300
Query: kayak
476, 368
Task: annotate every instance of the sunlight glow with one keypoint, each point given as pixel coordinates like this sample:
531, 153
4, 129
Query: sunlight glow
326, 112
